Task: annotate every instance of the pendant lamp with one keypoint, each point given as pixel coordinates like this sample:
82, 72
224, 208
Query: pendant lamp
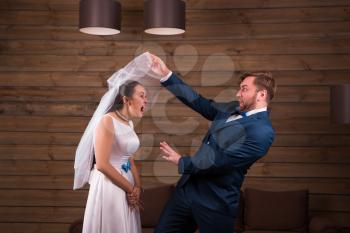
340, 104
99, 17
164, 17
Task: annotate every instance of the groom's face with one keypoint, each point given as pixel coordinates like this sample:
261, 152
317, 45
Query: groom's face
247, 94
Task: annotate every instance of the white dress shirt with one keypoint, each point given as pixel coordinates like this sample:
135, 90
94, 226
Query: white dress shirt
251, 112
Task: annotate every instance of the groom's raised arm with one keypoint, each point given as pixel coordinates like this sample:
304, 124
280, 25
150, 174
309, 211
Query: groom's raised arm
189, 97
182, 91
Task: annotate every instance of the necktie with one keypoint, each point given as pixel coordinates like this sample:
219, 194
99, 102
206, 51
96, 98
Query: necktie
243, 114
235, 116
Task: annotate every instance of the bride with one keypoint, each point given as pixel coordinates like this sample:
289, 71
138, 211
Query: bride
107, 147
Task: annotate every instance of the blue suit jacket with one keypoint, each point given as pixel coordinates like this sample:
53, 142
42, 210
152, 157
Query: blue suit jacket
214, 174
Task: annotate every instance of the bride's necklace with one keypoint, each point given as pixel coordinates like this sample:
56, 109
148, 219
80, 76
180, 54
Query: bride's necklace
122, 116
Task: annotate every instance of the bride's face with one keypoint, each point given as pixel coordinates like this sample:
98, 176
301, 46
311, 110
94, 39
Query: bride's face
137, 103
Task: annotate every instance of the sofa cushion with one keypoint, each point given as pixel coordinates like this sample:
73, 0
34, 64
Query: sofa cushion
154, 202
271, 210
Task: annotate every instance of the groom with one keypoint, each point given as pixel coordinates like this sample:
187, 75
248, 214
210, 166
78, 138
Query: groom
207, 194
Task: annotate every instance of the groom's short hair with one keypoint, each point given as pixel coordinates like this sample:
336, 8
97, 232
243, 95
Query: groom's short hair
263, 81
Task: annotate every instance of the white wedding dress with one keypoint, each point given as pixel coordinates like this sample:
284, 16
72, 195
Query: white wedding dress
107, 210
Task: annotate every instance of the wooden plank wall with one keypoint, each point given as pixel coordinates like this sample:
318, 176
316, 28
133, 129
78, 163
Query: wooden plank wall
52, 76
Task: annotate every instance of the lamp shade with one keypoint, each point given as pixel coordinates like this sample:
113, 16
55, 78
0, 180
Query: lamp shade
340, 104
164, 17
99, 17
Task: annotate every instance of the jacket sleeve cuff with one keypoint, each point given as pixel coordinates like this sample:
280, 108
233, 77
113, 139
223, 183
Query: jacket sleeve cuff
185, 165
166, 77
171, 80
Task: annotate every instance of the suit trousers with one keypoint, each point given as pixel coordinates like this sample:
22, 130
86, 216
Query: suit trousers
181, 215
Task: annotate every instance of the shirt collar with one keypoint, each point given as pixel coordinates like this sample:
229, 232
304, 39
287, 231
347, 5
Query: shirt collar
257, 110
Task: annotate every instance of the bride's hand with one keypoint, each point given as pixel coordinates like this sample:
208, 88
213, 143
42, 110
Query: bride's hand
137, 192
133, 198
135, 203
159, 67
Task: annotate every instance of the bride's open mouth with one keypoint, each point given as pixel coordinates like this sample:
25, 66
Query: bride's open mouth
142, 109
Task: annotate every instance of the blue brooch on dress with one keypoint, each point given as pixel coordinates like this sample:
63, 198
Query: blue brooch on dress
126, 166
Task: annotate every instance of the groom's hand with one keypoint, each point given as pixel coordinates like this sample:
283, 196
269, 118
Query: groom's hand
170, 154
159, 67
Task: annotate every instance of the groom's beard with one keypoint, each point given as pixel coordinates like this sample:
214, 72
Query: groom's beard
248, 104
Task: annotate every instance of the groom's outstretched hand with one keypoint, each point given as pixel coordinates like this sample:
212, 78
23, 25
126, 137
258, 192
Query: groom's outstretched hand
159, 67
169, 153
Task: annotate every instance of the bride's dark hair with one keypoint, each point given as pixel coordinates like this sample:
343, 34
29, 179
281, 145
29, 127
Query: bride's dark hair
127, 89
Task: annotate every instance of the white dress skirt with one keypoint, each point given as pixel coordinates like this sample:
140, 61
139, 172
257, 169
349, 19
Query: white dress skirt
107, 210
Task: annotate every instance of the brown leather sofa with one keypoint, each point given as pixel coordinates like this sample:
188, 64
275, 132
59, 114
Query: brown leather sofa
154, 201
280, 212
260, 212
